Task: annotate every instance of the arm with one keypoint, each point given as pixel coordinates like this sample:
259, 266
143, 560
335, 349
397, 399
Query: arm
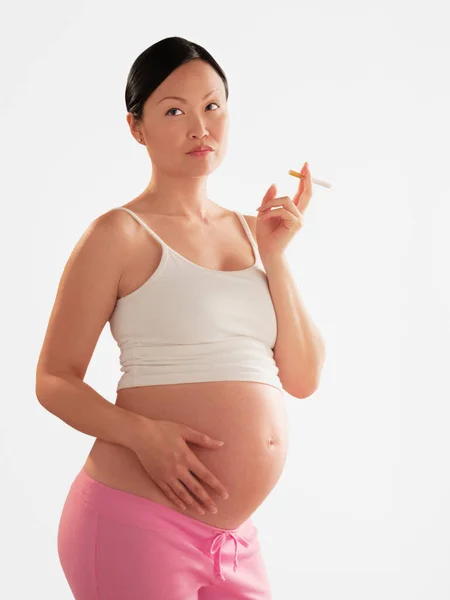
299, 350
85, 299
76, 403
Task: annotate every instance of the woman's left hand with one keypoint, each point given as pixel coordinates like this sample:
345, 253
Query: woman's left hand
276, 228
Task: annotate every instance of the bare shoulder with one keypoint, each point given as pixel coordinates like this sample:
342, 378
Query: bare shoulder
119, 222
86, 295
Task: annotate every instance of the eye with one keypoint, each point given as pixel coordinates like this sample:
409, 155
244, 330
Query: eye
180, 108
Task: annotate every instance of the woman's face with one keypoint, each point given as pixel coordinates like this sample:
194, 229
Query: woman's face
170, 127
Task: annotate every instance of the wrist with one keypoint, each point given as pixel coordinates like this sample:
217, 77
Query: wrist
134, 428
273, 261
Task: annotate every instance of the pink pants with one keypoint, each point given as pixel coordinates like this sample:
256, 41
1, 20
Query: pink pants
114, 545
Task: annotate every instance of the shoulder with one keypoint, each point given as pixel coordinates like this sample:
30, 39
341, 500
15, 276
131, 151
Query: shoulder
108, 238
111, 236
119, 225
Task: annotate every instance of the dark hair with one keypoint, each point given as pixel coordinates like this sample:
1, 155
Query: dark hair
156, 63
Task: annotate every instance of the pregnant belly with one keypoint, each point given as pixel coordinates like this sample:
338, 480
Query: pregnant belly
249, 417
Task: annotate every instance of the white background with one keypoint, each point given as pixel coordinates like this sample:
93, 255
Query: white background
361, 90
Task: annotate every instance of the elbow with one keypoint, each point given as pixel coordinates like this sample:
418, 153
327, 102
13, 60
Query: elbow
305, 388
310, 384
40, 390
38, 387
45, 386
304, 392
301, 390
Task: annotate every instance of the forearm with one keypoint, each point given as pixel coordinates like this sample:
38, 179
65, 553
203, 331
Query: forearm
80, 406
299, 350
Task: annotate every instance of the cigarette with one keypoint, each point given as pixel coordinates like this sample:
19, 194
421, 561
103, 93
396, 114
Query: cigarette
313, 179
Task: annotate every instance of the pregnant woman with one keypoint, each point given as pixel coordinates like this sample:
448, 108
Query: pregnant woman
211, 333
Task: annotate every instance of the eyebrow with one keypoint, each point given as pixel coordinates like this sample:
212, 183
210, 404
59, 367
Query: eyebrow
183, 99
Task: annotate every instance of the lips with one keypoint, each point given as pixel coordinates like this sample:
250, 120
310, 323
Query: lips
201, 149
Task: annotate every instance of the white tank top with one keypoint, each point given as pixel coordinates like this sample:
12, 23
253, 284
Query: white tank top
188, 323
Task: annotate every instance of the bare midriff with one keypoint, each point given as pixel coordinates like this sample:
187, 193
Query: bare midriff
249, 417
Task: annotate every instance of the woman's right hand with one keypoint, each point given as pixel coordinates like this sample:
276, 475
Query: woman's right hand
162, 449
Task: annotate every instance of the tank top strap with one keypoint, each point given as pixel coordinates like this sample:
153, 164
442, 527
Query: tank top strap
161, 241
144, 225
247, 229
